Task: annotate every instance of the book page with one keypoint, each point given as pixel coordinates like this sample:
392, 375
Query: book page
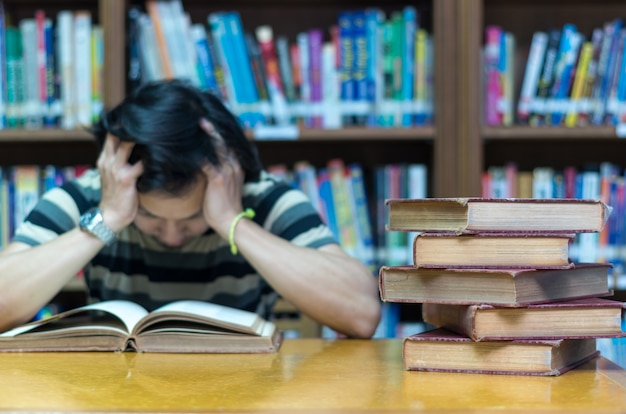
198, 311
128, 312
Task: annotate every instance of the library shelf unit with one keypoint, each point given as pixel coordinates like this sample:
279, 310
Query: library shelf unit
528, 147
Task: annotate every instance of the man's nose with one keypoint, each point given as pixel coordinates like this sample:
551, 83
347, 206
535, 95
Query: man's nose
172, 234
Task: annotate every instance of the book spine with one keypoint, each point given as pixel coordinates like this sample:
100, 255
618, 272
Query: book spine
316, 39
568, 53
65, 30
244, 84
586, 52
397, 28
421, 73
32, 108
284, 64
341, 202
206, 72
619, 115
152, 8
53, 105
586, 103
15, 78
135, 70
410, 27
330, 87
221, 44
346, 65
373, 20
149, 50
305, 75
605, 70
3, 69
362, 216
493, 90
82, 66
359, 67
537, 117
265, 38
42, 87
326, 201
534, 64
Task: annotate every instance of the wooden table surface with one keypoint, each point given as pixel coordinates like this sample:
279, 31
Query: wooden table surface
306, 374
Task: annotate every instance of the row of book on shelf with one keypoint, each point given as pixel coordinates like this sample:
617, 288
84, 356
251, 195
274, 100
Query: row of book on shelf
497, 287
21, 186
603, 182
51, 70
366, 68
571, 78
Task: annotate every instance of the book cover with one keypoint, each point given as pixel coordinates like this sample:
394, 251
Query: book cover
410, 26
580, 318
440, 350
518, 250
498, 287
473, 214
185, 326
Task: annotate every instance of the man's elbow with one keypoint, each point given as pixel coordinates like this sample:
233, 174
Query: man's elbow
365, 325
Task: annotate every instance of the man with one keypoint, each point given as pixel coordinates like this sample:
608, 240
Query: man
180, 208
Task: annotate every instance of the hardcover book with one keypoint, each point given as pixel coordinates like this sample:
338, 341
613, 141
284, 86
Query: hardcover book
179, 327
501, 287
472, 215
581, 318
442, 350
445, 250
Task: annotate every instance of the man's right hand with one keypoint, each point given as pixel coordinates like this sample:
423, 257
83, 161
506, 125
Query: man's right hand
118, 177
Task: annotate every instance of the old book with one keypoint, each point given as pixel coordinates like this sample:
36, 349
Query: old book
442, 350
581, 318
479, 215
179, 327
519, 250
501, 287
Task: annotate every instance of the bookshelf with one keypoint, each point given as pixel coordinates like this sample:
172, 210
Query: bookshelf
527, 146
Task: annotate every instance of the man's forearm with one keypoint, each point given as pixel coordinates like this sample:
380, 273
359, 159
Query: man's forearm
31, 276
326, 284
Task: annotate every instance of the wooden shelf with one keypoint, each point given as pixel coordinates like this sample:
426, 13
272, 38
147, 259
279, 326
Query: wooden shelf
561, 133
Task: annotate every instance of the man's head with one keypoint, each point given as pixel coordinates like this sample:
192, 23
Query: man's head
162, 118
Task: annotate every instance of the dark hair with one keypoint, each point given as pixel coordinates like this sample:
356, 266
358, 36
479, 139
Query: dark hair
162, 118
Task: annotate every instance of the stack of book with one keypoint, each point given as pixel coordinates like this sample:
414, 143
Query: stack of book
494, 279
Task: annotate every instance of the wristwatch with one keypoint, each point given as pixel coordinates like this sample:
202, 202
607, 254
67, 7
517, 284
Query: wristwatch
93, 223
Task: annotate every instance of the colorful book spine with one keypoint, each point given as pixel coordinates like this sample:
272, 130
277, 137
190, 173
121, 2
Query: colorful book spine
373, 31
586, 52
316, 39
82, 66
97, 72
221, 44
346, 65
493, 90
15, 78
421, 77
326, 201
305, 76
410, 27
362, 216
606, 64
568, 53
152, 8
32, 105
587, 102
359, 67
397, 49
265, 38
206, 71
3, 63
42, 87
342, 208
53, 110
534, 64
537, 117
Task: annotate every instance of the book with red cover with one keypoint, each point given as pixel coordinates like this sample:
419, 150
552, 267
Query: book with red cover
480, 215
492, 250
501, 287
581, 318
445, 351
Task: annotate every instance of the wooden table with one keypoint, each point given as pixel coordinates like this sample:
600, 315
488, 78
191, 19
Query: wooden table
307, 374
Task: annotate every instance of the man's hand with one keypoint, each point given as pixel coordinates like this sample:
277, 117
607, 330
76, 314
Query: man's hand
222, 200
119, 201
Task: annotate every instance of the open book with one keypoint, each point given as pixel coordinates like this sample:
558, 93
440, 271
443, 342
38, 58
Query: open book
179, 327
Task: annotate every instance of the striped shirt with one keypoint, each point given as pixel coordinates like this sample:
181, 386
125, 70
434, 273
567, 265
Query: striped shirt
139, 268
